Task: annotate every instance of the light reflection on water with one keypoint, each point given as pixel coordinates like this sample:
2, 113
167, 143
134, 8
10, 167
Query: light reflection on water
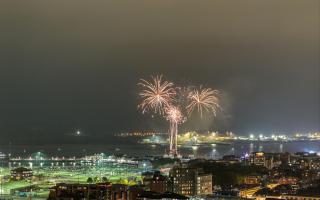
210, 151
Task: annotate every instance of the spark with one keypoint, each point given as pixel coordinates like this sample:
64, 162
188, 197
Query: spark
174, 114
156, 94
203, 99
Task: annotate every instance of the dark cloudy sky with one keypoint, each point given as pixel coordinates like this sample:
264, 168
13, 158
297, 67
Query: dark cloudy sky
68, 65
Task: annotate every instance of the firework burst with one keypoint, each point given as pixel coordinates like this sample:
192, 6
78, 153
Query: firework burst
174, 114
175, 104
203, 99
156, 94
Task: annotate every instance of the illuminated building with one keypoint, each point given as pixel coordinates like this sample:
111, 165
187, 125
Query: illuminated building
252, 180
267, 160
190, 181
257, 158
288, 181
156, 182
204, 184
124, 192
105, 191
21, 173
80, 191
183, 180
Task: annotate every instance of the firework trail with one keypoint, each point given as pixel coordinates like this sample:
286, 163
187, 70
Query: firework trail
175, 117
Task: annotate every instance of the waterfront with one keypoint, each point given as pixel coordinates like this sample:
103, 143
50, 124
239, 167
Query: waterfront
77, 164
215, 151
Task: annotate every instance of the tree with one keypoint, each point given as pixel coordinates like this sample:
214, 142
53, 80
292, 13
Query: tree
104, 179
96, 179
89, 180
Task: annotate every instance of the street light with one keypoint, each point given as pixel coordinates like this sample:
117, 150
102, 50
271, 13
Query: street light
145, 167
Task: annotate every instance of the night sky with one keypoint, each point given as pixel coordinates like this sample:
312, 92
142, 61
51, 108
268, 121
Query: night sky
69, 65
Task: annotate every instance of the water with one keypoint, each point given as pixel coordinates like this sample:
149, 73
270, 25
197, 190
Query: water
135, 149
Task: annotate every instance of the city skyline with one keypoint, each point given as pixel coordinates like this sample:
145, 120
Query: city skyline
160, 100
